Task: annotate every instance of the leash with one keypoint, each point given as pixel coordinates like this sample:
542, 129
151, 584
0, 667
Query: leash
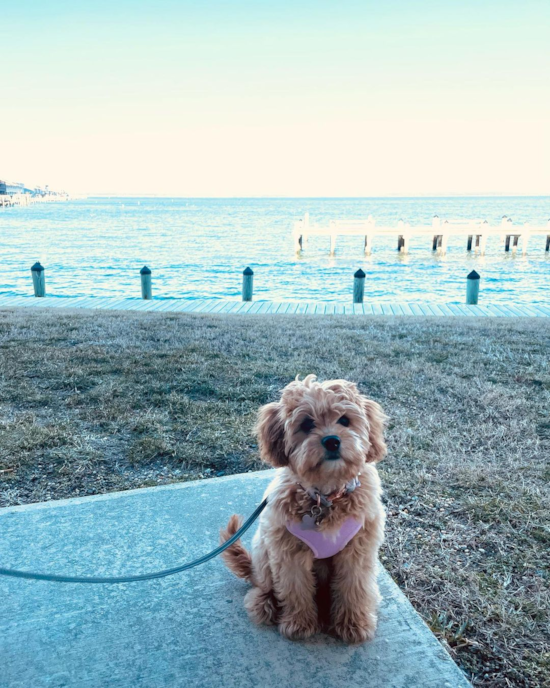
144, 576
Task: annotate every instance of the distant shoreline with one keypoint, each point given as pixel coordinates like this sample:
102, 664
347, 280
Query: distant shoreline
315, 198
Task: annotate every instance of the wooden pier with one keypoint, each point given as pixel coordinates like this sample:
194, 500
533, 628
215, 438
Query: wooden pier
475, 233
223, 306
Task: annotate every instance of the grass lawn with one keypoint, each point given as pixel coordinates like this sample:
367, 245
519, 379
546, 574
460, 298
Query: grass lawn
92, 402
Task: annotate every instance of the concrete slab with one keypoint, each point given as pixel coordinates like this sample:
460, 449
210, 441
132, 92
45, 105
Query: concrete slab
186, 630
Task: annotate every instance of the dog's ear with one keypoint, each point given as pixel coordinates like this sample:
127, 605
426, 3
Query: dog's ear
377, 420
270, 430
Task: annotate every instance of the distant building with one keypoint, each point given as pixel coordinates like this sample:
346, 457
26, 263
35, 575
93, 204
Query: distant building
11, 188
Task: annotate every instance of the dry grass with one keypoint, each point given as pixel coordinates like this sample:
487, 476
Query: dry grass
95, 402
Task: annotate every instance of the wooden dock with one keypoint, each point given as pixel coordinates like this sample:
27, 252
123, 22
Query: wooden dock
221, 306
435, 236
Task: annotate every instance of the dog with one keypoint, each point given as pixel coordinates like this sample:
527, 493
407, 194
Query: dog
313, 563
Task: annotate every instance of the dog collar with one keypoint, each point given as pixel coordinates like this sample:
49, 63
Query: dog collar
322, 503
327, 500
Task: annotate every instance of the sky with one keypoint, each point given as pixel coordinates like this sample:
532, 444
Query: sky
277, 97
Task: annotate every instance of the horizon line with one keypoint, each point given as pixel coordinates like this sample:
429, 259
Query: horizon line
308, 197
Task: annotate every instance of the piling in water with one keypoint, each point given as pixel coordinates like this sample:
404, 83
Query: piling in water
358, 286
146, 288
472, 288
38, 279
248, 284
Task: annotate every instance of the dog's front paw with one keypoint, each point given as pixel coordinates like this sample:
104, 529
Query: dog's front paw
354, 632
298, 627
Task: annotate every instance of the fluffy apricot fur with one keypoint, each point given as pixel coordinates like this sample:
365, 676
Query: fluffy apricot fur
290, 588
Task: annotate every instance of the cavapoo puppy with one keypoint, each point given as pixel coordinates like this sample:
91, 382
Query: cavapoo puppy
313, 563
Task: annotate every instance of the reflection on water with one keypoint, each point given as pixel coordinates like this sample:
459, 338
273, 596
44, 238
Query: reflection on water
198, 248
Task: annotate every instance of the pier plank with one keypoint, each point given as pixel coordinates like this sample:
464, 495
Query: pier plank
520, 311
434, 307
168, 305
198, 305
184, 306
78, 300
49, 302
150, 306
219, 307
91, 302
538, 313
445, 309
509, 312
255, 307
464, 309
138, 304
293, 308
117, 303
406, 309
245, 307
455, 310
425, 309
278, 308
368, 309
478, 311
265, 307
32, 302
228, 307
528, 310
210, 305
238, 306
105, 302
543, 309
120, 304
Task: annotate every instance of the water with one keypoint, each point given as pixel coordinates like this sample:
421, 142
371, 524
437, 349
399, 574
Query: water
198, 248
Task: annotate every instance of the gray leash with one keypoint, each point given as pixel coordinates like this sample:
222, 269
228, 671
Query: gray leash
144, 576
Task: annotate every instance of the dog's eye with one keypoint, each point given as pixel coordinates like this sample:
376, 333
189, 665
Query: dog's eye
307, 425
344, 420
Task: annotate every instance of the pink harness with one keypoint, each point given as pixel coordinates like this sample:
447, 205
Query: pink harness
325, 543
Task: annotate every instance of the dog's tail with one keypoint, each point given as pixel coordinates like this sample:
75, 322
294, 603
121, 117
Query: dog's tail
236, 557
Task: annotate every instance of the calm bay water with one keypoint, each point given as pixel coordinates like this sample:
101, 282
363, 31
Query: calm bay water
198, 248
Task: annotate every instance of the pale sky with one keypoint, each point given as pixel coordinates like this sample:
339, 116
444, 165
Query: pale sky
276, 98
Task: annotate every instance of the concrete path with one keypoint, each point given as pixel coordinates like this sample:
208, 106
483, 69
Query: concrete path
275, 308
187, 630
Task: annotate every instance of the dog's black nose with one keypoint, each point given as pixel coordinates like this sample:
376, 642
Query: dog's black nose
331, 443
